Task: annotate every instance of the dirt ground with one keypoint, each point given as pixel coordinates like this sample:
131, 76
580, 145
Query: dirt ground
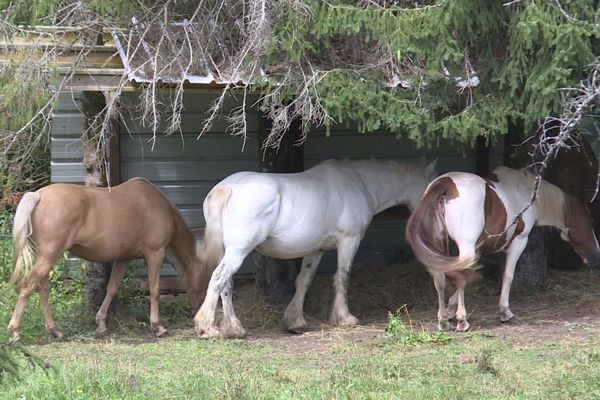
567, 310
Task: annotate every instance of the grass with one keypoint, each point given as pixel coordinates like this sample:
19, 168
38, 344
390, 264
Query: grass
543, 357
552, 353
397, 330
182, 368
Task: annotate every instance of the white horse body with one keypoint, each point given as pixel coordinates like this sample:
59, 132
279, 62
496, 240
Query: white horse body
284, 216
286, 211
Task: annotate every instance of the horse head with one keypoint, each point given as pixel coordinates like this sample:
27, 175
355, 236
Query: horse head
428, 173
196, 291
580, 231
430, 169
194, 277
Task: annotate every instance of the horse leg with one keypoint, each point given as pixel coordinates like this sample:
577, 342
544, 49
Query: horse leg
27, 289
340, 316
462, 325
154, 261
116, 275
231, 327
452, 303
44, 291
204, 320
40, 271
294, 313
439, 281
465, 249
512, 255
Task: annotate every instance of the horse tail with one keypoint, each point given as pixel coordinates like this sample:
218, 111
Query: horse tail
426, 230
25, 251
211, 249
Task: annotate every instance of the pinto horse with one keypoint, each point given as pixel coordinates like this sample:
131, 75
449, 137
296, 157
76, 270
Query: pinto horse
294, 215
484, 216
131, 220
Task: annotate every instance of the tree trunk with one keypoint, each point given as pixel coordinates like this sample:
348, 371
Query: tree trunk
97, 274
276, 278
530, 271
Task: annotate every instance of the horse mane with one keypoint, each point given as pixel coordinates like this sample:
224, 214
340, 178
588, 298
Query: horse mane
413, 171
550, 204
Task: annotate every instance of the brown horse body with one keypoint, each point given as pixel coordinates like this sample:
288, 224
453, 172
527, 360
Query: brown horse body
128, 221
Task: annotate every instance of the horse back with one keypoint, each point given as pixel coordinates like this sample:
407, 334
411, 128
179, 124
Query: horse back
513, 189
103, 224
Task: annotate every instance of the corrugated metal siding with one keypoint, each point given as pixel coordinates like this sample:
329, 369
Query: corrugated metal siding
185, 168
66, 148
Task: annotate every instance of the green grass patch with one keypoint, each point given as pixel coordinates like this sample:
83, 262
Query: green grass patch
397, 331
179, 368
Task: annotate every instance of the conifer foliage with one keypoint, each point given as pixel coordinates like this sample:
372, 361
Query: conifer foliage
426, 70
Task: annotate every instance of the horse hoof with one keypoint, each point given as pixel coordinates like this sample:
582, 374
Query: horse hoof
233, 333
349, 321
507, 316
294, 324
101, 329
57, 333
14, 337
296, 329
297, 326
508, 320
209, 333
443, 325
462, 326
161, 331
232, 329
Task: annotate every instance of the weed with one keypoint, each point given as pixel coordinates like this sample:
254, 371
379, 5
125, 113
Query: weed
397, 330
485, 363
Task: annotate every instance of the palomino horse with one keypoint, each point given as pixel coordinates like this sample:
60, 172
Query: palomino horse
294, 215
128, 221
483, 216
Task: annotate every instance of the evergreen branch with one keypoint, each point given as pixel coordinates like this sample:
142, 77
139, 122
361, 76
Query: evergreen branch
569, 17
9, 365
550, 142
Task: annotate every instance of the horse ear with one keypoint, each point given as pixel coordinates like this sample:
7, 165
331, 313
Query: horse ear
430, 168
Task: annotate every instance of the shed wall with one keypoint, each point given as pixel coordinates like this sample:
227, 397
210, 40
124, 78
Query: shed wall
185, 168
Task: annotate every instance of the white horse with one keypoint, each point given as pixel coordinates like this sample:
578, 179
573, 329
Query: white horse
295, 215
479, 216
